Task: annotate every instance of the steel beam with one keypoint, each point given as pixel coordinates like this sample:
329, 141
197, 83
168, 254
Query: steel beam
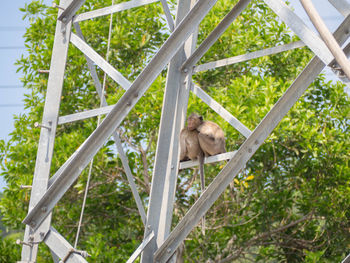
221, 111
309, 38
100, 61
138, 251
112, 9
248, 56
210, 159
343, 6
327, 36
70, 10
70, 171
61, 247
245, 152
160, 210
337, 70
84, 114
347, 259
47, 135
168, 16
215, 34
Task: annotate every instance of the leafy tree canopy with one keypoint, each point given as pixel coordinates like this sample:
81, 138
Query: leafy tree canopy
290, 203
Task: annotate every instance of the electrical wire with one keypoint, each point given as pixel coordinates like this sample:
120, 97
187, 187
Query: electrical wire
10, 105
13, 47
98, 123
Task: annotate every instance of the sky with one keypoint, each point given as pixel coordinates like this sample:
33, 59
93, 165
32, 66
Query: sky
12, 29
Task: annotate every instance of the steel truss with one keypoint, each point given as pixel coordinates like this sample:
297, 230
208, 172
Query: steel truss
179, 53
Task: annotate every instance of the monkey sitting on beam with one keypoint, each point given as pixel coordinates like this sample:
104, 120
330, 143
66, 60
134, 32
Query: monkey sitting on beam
201, 138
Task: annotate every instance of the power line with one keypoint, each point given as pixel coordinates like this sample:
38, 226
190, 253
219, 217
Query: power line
13, 47
11, 87
12, 28
10, 105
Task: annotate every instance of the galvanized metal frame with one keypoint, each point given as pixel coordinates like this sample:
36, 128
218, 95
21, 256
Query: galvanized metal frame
158, 244
47, 135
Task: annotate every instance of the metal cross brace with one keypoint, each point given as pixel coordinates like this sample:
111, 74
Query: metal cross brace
115, 134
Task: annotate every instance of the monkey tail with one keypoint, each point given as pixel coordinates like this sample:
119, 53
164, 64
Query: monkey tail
201, 172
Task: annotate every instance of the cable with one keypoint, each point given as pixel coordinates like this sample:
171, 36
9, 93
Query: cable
11, 105
98, 124
12, 47
11, 87
12, 28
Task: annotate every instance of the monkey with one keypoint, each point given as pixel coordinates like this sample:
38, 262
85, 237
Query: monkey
191, 150
189, 145
211, 137
201, 138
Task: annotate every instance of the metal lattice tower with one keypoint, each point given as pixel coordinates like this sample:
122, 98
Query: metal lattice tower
179, 53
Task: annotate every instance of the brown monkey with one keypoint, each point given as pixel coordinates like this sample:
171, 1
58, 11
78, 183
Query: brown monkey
201, 137
189, 145
211, 137
190, 148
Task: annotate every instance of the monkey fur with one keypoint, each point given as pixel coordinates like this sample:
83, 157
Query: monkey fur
201, 138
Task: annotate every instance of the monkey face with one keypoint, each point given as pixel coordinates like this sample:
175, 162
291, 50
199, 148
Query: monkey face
194, 121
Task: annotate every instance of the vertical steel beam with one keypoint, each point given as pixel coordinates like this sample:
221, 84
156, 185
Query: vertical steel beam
178, 123
159, 214
47, 135
245, 152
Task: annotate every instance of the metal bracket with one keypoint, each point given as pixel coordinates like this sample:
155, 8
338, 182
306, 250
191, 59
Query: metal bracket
73, 250
54, 5
25, 186
43, 71
37, 124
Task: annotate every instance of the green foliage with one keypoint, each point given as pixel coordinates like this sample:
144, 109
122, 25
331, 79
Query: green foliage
9, 251
289, 204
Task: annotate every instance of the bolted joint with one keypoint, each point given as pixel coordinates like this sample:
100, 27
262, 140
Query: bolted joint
25, 186
43, 71
54, 5
73, 250
20, 242
37, 124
